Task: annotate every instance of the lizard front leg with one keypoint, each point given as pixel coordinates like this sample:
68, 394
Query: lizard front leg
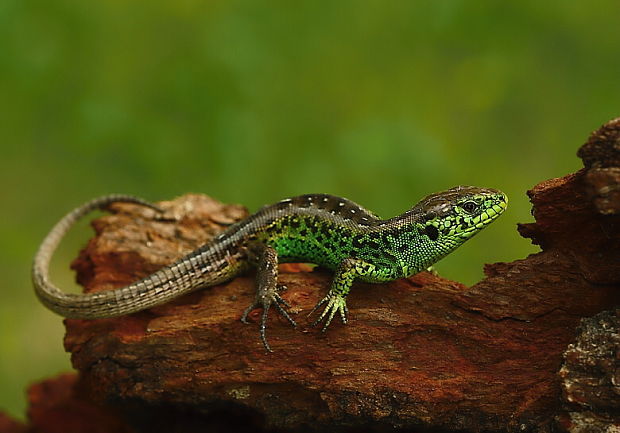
346, 273
267, 288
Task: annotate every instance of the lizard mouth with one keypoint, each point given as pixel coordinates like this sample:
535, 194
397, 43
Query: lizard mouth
491, 213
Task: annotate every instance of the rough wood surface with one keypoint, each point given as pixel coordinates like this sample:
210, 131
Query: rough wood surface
10, 425
422, 353
591, 376
61, 405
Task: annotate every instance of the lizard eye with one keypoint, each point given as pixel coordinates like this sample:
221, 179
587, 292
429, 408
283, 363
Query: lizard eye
469, 206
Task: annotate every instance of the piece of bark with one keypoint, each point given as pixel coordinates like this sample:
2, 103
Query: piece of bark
591, 376
603, 147
60, 405
601, 155
423, 353
10, 425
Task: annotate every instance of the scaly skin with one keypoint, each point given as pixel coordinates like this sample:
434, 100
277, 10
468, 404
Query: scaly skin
317, 228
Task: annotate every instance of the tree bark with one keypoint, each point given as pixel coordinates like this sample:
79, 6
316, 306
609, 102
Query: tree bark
423, 353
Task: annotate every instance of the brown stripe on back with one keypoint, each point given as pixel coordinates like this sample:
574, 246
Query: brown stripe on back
342, 207
337, 206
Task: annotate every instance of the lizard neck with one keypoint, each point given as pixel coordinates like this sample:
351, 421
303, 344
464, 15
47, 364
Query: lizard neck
414, 246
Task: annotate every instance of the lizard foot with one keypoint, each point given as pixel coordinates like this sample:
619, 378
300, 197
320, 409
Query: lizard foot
265, 300
432, 271
335, 304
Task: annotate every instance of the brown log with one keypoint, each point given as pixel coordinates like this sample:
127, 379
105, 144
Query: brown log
10, 425
591, 376
423, 353
60, 405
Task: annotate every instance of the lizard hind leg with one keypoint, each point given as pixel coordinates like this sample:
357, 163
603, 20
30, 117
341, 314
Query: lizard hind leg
267, 290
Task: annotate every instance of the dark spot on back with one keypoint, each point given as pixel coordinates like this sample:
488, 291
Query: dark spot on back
302, 201
373, 244
364, 221
374, 236
357, 241
385, 237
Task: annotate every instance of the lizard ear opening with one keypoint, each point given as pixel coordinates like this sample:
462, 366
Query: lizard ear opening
432, 232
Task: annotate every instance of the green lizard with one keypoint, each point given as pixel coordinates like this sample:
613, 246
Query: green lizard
317, 228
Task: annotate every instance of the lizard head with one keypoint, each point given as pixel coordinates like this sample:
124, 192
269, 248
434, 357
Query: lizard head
443, 221
453, 216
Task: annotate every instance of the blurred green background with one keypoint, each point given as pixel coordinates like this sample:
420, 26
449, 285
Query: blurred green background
381, 102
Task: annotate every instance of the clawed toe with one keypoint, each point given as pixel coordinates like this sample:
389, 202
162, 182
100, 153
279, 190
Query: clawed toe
335, 304
265, 301
244, 316
285, 313
280, 299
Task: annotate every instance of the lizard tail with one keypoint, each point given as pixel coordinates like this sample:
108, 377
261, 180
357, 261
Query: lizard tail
187, 274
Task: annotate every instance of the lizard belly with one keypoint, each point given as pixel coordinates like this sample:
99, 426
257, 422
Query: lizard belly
307, 249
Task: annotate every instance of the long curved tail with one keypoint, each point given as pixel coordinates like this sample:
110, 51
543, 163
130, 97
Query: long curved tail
195, 270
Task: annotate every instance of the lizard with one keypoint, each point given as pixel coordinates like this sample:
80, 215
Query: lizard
323, 229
